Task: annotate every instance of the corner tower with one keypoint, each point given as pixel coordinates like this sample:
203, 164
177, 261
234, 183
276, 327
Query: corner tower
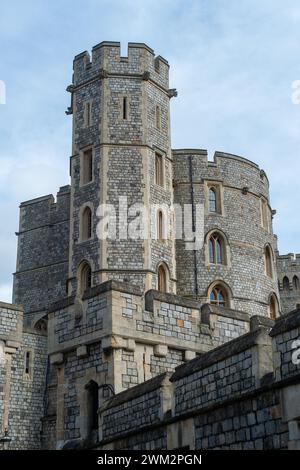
121, 132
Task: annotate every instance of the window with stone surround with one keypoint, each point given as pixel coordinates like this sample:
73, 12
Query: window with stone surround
286, 283
269, 261
161, 235
28, 364
158, 117
162, 278
86, 224
217, 249
85, 277
159, 171
296, 283
87, 113
87, 166
273, 307
214, 198
264, 214
218, 294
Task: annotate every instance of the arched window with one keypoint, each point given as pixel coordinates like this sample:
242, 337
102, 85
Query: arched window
296, 284
217, 249
286, 283
86, 225
219, 296
162, 279
212, 200
159, 174
273, 307
160, 226
92, 404
85, 277
268, 261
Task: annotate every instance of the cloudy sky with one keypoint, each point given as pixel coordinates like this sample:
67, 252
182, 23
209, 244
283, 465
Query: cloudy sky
232, 62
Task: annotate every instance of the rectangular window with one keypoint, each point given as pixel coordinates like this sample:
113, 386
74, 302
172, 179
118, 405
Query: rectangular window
88, 114
264, 214
87, 166
27, 363
159, 177
125, 108
158, 117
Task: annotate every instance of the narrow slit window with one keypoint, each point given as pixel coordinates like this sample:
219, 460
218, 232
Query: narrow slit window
125, 108
158, 117
158, 169
87, 169
88, 114
27, 362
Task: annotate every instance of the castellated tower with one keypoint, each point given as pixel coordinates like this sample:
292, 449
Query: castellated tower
121, 126
117, 312
238, 255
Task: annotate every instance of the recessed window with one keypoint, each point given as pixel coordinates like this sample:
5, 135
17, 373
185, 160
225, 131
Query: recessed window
162, 279
158, 117
92, 404
87, 166
27, 362
264, 214
125, 108
286, 283
273, 307
85, 277
160, 226
88, 114
159, 176
268, 261
219, 296
86, 224
217, 249
296, 284
212, 199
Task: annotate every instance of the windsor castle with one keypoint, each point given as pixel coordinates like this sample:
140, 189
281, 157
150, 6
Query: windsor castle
153, 342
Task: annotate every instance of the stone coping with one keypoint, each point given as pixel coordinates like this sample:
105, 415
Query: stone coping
37, 200
173, 299
17, 308
106, 286
218, 354
286, 322
112, 285
135, 392
208, 309
60, 304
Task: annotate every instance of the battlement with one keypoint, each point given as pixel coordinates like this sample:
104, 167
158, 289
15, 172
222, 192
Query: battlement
106, 59
291, 258
224, 166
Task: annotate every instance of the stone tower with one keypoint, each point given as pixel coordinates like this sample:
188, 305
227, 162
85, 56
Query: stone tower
121, 126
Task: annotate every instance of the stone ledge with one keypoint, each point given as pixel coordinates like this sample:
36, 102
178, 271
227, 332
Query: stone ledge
112, 285
66, 302
258, 320
208, 309
16, 307
286, 322
218, 354
135, 392
173, 299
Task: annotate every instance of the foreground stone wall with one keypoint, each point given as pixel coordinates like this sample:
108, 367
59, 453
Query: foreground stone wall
119, 337
23, 368
240, 395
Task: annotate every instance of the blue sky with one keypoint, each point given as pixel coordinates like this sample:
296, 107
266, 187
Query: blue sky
232, 62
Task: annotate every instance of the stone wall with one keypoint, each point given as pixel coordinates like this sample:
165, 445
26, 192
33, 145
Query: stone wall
23, 361
242, 185
42, 261
288, 267
238, 396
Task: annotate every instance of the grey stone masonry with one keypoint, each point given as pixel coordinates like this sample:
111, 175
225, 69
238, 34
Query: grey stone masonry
288, 270
23, 364
228, 398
